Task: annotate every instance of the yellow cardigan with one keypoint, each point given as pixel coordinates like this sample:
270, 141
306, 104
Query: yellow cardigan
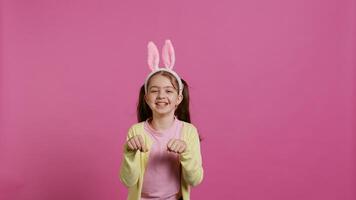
134, 162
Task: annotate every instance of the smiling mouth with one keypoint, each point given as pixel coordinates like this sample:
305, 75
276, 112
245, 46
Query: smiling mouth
161, 103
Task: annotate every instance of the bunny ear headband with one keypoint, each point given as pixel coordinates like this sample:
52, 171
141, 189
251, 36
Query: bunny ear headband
168, 60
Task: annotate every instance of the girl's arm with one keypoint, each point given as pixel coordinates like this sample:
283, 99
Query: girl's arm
191, 160
130, 166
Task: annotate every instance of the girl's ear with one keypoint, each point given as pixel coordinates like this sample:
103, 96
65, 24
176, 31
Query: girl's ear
168, 54
145, 98
180, 99
153, 56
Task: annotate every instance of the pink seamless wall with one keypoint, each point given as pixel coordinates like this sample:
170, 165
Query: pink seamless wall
272, 93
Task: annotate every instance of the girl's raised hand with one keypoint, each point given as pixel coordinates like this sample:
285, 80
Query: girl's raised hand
176, 145
136, 143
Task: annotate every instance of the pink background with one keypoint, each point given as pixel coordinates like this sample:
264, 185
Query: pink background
272, 93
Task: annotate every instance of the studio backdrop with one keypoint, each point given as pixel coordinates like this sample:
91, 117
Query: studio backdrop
272, 87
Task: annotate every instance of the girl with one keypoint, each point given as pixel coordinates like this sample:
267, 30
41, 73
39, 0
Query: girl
162, 157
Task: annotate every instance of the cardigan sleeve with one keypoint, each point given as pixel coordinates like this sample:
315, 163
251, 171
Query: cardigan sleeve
130, 165
191, 159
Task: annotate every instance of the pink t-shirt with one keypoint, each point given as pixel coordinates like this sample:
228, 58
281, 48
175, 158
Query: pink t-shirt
162, 175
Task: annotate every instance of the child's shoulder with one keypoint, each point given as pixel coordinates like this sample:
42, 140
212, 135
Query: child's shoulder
190, 132
189, 126
137, 126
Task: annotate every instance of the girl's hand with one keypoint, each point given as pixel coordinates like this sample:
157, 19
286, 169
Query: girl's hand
176, 145
136, 143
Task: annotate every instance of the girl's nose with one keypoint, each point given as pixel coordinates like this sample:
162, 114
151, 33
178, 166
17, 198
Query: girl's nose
161, 95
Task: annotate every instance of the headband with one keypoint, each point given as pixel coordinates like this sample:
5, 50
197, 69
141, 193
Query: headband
168, 57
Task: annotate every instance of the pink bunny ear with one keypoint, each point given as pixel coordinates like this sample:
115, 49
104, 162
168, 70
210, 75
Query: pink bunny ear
168, 55
153, 56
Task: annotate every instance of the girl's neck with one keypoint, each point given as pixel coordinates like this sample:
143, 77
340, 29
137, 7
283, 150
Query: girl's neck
161, 123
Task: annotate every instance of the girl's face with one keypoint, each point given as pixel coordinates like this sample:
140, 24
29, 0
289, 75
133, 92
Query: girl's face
161, 96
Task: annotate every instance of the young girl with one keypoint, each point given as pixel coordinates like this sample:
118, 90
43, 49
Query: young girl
162, 157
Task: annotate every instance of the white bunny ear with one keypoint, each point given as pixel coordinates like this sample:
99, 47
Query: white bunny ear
168, 54
153, 56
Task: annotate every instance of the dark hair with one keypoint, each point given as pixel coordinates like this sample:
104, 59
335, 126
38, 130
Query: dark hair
144, 112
